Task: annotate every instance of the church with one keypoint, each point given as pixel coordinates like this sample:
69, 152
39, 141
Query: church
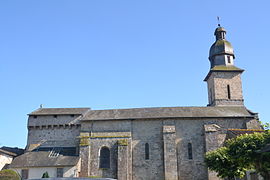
166, 143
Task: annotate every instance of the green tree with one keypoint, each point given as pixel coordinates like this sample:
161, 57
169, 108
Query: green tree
241, 154
45, 175
265, 126
220, 161
9, 174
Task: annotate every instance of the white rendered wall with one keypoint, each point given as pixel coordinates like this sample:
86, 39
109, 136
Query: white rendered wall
4, 159
35, 173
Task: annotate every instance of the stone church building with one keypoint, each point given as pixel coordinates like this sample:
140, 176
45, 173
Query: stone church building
141, 143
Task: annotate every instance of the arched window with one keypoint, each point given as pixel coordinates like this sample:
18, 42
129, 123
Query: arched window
210, 96
229, 91
104, 158
190, 151
146, 147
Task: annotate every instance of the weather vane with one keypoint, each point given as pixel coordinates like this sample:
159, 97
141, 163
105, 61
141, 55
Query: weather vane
218, 19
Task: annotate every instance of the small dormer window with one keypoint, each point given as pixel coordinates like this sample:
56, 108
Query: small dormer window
35, 117
229, 59
55, 116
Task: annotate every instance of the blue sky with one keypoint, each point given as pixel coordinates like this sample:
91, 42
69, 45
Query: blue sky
106, 54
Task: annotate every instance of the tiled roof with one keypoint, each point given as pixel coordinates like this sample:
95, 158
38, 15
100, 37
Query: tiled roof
245, 131
232, 133
59, 111
168, 112
42, 159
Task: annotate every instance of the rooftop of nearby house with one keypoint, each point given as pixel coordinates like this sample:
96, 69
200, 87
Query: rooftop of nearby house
11, 151
44, 159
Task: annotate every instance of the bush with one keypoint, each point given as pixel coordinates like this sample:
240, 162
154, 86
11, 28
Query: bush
45, 175
241, 154
9, 174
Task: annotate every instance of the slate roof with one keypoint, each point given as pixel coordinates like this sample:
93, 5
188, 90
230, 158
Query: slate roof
59, 111
11, 151
168, 112
223, 69
226, 68
7, 153
42, 159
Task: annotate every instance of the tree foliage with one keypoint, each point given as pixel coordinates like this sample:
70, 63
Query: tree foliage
241, 154
9, 174
266, 126
221, 162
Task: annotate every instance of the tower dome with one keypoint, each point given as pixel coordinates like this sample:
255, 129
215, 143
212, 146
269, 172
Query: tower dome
221, 52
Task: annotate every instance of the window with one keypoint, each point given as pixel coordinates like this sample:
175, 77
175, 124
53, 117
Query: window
229, 59
104, 158
24, 173
72, 115
55, 116
35, 117
146, 149
210, 96
229, 91
190, 151
59, 172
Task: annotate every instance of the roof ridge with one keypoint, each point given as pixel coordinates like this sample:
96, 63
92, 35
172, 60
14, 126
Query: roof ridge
246, 130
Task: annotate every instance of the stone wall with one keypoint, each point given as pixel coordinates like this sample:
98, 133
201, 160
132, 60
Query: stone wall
217, 88
170, 154
190, 131
108, 134
53, 131
54, 137
147, 131
123, 160
46, 120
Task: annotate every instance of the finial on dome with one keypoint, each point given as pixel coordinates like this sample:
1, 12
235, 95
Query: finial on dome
218, 19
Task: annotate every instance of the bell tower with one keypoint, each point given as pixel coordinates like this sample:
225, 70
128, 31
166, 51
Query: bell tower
224, 78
